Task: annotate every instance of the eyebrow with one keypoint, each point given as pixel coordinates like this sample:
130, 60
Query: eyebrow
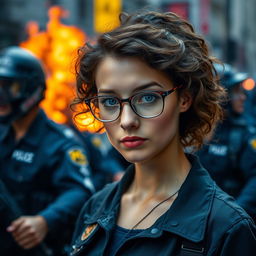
139, 88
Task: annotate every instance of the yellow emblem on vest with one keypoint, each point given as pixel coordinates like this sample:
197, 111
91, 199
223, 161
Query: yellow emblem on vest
88, 230
77, 156
96, 142
253, 143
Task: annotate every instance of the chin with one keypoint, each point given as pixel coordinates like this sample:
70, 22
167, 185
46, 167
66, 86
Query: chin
131, 158
136, 156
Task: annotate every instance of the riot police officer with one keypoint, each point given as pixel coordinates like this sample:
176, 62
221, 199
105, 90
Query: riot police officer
230, 155
43, 168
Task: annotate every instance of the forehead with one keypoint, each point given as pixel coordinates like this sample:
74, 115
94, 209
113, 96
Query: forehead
120, 73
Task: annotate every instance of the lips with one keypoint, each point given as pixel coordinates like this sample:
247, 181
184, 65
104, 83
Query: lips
133, 141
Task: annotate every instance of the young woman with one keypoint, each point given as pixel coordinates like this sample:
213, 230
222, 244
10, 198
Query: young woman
152, 83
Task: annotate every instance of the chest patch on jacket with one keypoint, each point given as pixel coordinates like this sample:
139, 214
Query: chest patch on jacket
219, 150
22, 156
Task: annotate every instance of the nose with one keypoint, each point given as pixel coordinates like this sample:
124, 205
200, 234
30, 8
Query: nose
243, 96
128, 119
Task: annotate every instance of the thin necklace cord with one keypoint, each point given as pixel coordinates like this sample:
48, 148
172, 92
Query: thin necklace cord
168, 198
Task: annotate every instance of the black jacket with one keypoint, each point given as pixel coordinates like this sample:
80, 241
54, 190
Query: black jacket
203, 220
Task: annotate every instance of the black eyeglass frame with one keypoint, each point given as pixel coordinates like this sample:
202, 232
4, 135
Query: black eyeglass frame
129, 100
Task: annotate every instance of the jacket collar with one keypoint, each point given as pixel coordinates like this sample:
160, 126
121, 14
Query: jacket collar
188, 215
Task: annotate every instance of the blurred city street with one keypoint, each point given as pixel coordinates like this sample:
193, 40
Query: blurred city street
54, 29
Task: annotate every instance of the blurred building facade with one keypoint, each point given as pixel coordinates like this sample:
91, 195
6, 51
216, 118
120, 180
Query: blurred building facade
232, 33
228, 25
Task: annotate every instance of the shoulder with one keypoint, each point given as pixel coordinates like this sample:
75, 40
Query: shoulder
62, 139
51, 128
62, 135
104, 196
60, 130
100, 201
228, 226
225, 211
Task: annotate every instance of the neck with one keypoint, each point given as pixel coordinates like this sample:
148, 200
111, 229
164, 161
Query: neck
163, 175
22, 125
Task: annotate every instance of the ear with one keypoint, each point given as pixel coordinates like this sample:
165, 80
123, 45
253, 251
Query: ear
185, 101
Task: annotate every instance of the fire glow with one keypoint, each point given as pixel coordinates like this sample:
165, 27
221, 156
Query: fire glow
57, 49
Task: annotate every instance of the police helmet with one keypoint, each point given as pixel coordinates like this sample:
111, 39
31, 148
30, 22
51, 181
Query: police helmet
229, 77
22, 82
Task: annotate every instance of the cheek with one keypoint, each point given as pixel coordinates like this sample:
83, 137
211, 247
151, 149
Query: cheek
170, 116
111, 130
164, 127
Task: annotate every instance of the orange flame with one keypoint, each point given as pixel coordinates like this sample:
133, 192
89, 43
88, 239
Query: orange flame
57, 48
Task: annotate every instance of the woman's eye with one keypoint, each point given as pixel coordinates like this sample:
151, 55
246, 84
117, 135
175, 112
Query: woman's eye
147, 98
109, 102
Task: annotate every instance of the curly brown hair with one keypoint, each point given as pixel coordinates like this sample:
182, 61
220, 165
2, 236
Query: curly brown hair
167, 43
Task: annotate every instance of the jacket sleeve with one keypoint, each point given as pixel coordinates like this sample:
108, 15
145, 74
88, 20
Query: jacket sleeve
240, 239
73, 186
247, 197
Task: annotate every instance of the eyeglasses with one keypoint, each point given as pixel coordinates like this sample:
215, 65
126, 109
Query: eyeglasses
147, 104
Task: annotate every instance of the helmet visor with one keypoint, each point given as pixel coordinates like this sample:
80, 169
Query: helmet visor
10, 90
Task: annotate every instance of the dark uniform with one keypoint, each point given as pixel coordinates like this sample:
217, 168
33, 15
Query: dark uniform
47, 174
230, 158
203, 220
